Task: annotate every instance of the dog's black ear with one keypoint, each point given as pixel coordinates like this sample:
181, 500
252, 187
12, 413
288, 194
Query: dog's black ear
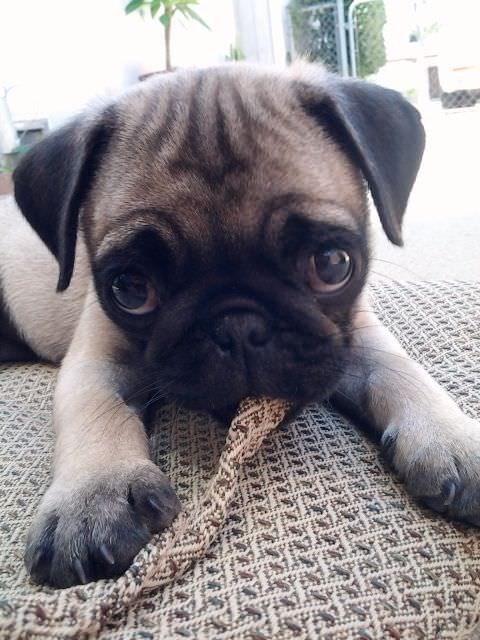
383, 134
52, 181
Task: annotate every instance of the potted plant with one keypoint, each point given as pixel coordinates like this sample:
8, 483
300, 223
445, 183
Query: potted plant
235, 54
165, 11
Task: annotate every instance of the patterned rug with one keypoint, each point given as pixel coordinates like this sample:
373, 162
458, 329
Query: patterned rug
320, 541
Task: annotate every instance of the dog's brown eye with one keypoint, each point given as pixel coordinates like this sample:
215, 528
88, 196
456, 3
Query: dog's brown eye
329, 270
134, 293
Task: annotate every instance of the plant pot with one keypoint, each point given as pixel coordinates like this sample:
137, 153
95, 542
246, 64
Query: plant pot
6, 184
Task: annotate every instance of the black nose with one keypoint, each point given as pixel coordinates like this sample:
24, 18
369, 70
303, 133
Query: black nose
235, 331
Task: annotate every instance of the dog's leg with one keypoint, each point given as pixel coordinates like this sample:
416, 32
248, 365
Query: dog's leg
433, 445
15, 351
12, 348
106, 498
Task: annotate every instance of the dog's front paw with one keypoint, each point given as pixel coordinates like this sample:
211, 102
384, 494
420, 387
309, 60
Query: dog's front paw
94, 530
439, 463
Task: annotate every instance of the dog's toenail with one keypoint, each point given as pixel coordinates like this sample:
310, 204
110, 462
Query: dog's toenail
449, 491
80, 571
106, 554
154, 504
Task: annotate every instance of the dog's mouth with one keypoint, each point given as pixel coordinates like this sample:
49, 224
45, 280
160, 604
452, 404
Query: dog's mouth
224, 351
215, 382
226, 414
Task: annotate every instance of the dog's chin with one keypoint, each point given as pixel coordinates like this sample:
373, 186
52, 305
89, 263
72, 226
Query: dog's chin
224, 409
224, 414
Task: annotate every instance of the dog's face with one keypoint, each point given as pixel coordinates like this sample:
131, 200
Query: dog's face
225, 216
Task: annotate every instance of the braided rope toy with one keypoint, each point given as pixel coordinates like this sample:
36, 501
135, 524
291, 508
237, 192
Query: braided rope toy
80, 612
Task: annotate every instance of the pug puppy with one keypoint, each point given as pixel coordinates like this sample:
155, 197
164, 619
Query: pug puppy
207, 234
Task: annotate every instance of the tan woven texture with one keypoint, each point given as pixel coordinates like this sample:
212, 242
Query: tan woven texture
320, 541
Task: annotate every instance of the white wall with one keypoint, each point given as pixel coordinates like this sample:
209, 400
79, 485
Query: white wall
59, 54
260, 28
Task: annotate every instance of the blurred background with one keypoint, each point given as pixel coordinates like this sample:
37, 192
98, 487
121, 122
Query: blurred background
56, 56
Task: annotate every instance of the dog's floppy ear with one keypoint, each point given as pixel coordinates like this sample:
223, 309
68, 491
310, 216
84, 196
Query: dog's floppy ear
52, 181
381, 131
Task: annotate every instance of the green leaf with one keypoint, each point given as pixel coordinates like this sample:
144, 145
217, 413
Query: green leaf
154, 7
188, 11
165, 19
133, 5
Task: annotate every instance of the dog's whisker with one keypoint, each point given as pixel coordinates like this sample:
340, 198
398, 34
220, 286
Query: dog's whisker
399, 266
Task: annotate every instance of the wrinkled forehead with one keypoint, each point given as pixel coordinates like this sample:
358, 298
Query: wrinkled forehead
219, 152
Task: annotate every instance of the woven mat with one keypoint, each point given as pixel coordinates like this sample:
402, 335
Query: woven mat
320, 541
